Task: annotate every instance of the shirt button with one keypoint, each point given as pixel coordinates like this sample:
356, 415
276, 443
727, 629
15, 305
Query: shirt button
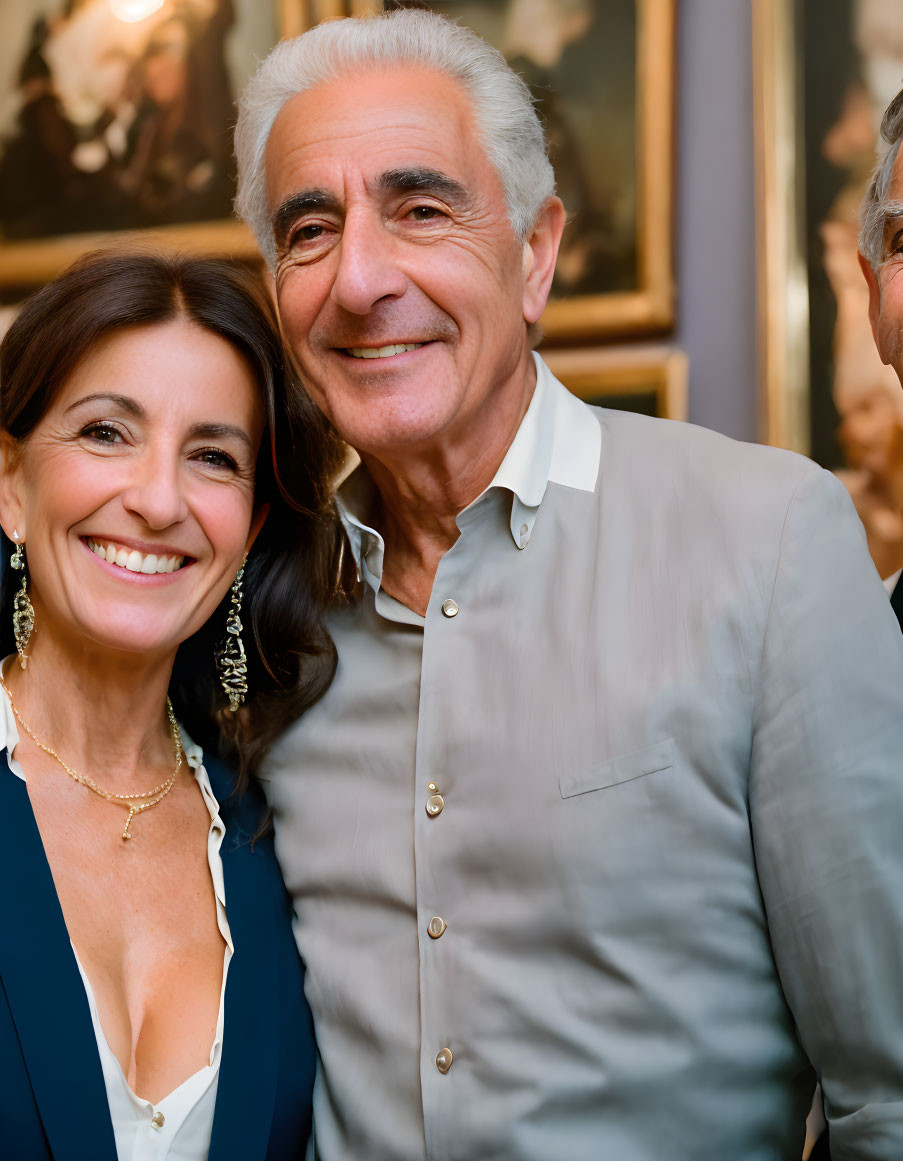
436, 927
158, 1120
449, 608
444, 1060
435, 805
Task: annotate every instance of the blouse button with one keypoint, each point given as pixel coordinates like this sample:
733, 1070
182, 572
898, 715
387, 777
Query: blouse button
449, 608
444, 1060
158, 1120
435, 805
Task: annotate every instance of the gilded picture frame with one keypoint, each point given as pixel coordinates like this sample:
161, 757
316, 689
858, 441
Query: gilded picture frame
782, 291
645, 378
28, 68
823, 71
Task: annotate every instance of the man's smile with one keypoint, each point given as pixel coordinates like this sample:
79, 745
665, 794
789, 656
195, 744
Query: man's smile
381, 352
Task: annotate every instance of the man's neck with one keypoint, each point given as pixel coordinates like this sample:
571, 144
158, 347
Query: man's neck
421, 493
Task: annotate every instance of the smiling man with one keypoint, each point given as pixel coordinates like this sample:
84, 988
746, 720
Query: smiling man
594, 841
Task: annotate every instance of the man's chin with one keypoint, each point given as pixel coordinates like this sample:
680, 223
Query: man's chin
391, 433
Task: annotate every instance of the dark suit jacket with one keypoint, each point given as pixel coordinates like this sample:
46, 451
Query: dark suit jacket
896, 601
53, 1102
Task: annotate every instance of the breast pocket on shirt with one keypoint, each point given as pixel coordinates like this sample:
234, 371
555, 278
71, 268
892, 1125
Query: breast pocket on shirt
622, 768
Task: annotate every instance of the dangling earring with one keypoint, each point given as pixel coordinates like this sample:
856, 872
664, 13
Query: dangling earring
23, 610
231, 660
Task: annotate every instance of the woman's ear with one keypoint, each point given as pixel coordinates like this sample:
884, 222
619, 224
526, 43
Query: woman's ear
12, 508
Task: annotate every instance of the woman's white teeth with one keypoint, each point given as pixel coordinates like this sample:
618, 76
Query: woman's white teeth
133, 560
383, 352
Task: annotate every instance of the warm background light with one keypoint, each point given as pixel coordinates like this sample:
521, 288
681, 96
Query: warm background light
131, 11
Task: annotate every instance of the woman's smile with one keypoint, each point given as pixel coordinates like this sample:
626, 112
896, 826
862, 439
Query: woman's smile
127, 559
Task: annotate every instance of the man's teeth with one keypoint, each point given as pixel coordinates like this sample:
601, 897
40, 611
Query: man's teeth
133, 560
382, 352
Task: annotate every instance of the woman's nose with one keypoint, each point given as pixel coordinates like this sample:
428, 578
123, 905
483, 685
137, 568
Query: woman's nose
156, 492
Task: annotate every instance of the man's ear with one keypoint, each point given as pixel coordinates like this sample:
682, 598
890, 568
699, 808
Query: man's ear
540, 255
12, 509
871, 279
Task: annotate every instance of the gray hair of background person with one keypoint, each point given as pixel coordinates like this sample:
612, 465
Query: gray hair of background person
875, 208
503, 107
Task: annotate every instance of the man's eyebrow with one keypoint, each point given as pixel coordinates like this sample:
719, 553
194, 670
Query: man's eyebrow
415, 179
123, 402
302, 202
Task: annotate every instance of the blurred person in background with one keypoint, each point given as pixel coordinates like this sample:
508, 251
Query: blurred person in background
881, 259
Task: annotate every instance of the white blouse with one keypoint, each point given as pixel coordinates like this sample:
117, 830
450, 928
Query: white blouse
179, 1127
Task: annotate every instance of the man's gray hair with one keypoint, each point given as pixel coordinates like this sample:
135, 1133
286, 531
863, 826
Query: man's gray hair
876, 209
503, 107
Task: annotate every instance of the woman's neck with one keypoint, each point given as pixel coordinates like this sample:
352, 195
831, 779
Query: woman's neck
102, 712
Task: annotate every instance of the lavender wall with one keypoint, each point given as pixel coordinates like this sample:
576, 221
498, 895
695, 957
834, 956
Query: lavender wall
715, 228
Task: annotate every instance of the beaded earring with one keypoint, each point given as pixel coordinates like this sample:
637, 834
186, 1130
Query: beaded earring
231, 659
23, 610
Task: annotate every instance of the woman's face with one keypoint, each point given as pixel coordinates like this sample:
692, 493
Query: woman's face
135, 492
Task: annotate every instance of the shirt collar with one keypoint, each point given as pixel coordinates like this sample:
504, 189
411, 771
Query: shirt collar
559, 441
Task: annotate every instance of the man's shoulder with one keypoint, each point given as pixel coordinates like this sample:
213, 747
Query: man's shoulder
686, 461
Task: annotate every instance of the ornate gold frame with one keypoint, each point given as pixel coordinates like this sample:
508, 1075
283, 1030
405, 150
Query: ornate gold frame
24, 265
594, 372
783, 293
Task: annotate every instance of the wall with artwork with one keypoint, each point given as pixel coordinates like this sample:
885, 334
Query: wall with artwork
113, 118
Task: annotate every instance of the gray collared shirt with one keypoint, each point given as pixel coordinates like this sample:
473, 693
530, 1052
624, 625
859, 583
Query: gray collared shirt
592, 860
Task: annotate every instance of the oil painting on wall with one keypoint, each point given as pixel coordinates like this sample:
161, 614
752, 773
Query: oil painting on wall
117, 114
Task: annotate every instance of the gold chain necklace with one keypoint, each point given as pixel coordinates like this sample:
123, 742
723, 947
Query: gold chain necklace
135, 803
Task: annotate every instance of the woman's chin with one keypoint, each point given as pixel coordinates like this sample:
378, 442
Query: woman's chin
130, 635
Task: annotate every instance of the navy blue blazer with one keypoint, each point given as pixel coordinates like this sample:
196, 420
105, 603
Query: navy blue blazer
53, 1102
896, 600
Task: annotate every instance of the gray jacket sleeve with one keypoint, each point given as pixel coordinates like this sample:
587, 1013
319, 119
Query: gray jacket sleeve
826, 803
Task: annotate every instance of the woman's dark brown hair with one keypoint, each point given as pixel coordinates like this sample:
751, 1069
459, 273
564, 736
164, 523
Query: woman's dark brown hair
291, 571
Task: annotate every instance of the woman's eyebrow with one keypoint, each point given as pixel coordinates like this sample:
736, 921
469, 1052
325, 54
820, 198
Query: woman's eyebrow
124, 402
206, 430
221, 431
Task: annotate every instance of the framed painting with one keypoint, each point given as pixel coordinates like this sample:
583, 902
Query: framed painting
602, 72
115, 120
824, 72
647, 379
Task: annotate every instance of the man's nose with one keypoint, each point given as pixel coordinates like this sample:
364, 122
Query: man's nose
368, 265
156, 491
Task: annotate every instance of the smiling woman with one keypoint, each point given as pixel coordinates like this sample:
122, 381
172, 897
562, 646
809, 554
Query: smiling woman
163, 481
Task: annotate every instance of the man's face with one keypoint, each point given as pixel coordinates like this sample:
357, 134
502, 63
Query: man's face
886, 286
402, 288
